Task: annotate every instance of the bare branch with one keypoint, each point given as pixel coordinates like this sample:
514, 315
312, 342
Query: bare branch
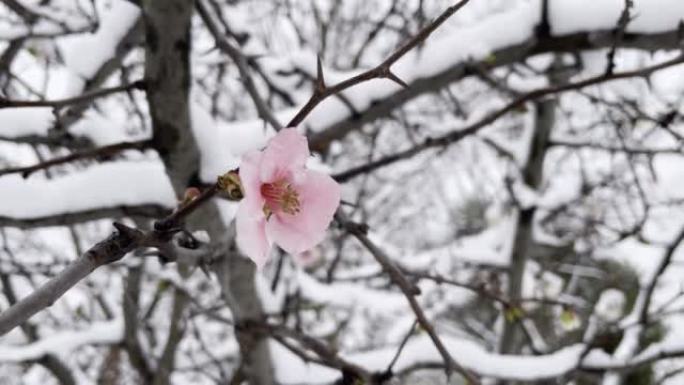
109, 250
112, 249
383, 70
457, 135
105, 151
86, 97
662, 266
620, 29
382, 108
70, 218
410, 291
241, 62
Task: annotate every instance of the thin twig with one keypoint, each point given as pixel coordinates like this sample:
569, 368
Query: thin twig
112, 249
104, 151
620, 29
241, 62
381, 71
410, 291
456, 136
403, 343
662, 266
85, 97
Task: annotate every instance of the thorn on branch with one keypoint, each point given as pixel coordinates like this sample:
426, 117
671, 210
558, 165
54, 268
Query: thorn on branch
544, 28
390, 75
129, 233
320, 79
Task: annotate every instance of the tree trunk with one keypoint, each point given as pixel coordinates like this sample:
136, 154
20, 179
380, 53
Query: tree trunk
167, 75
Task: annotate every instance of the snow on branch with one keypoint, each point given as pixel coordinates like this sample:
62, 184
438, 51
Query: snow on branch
129, 187
62, 343
498, 40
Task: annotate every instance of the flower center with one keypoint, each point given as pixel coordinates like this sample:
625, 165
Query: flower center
279, 196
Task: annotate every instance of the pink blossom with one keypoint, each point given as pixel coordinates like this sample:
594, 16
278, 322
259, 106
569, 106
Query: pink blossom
284, 202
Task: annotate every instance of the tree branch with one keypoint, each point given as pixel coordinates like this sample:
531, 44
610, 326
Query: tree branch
381, 71
112, 249
241, 62
109, 250
410, 291
508, 55
70, 218
85, 97
457, 135
105, 151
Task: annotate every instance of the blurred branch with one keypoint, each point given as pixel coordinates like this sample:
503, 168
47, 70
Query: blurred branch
616, 149
457, 135
85, 97
518, 53
50, 361
174, 337
107, 251
131, 311
328, 356
410, 291
69, 218
381, 71
662, 266
112, 249
241, 62
105, 151
620, 29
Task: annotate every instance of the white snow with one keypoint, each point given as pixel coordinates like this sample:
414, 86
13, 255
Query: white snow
62, 343
101, 129
472, 356
348, 295
477, 42
420, 349
104, 185
610, 306
223, 145
104, 128
84, 54
650, 16
25, 121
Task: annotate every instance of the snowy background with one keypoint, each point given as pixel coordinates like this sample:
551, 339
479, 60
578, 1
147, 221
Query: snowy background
540, 217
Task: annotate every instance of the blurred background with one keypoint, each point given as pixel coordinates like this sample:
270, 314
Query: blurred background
528, 178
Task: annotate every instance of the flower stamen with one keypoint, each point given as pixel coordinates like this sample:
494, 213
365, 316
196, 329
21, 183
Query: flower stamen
280, 196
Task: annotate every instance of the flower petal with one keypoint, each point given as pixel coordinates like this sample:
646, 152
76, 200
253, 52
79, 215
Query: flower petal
249, 173
319, 197
249, 178
285, 155
251, 234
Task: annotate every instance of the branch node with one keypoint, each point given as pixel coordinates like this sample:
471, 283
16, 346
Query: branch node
128, 232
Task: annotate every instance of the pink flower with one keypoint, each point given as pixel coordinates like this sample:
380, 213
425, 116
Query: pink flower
284, 203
